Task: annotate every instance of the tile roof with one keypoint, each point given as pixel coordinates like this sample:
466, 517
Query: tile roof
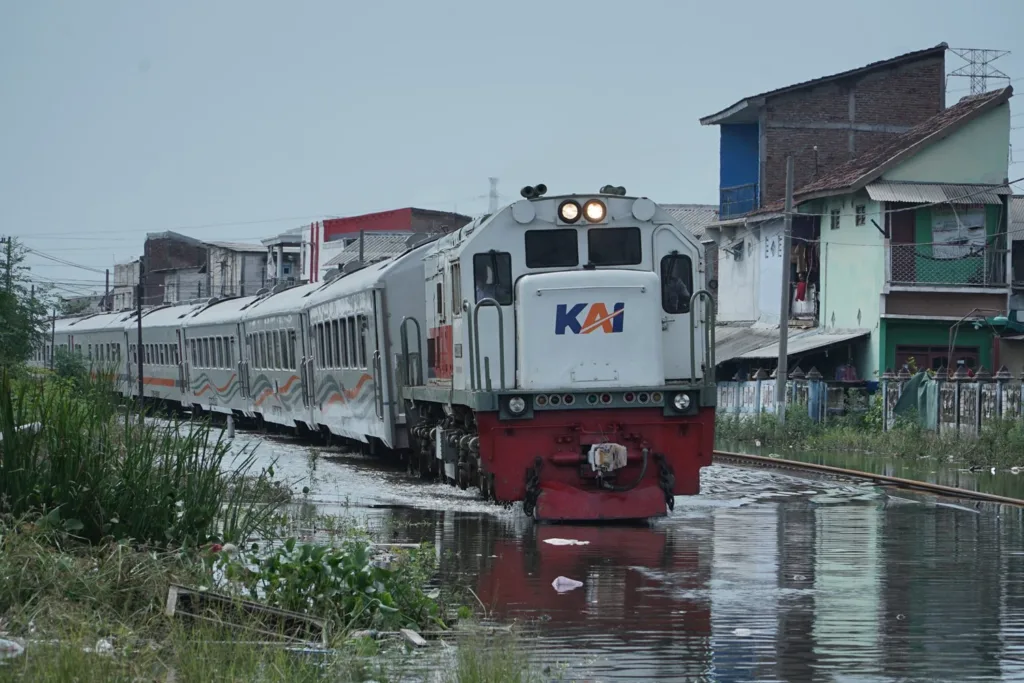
693, 217
375, 246
870, 165
885, 63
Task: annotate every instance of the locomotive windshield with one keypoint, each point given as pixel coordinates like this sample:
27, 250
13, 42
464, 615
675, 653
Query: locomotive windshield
614, 246
552, 248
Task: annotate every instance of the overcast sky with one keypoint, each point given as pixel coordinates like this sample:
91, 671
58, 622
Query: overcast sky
121, 118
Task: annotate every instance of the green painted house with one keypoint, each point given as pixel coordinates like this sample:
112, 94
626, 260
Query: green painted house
913, 240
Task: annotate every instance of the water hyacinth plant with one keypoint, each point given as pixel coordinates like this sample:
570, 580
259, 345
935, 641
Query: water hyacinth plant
346, 583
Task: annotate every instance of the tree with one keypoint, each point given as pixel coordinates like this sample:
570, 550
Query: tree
71, 307
22, 312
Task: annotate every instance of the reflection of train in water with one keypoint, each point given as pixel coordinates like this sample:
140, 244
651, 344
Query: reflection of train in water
569, 361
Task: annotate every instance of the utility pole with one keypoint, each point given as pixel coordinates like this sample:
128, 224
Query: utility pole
8, 248
106, 294
782, 372
53, 336
138, 324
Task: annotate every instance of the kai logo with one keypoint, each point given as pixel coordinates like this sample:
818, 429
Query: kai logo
596, 318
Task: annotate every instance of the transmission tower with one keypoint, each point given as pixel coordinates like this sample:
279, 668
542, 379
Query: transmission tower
492, 206
978, 67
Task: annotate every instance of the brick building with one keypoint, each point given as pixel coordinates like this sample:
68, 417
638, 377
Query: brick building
175, 268
823, 123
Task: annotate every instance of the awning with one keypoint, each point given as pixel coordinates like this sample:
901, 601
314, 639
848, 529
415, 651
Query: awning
936, 193
732, 341
801, 341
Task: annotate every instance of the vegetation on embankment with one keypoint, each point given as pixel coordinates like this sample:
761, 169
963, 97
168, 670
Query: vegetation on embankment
998, 445
100, 511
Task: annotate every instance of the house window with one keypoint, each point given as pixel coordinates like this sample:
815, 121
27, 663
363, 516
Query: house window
834, 219
860, 213
935, 357
676, 283
552, 248
492, 277
614, 246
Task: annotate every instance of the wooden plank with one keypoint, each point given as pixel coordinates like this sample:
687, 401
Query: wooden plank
214, 607
414, 638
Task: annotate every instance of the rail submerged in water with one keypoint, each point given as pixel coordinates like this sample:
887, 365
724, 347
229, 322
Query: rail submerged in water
726, 457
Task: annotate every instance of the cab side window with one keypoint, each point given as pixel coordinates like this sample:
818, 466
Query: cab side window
676, 283
492, 277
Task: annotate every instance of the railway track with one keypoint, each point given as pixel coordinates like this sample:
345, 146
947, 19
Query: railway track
725, 457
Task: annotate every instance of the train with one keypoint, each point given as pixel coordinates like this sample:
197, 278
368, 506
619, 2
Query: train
556, 352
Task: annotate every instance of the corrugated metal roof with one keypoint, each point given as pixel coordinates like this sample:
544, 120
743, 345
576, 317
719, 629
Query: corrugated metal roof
883, 64
800, 341
240, 246
1017, 216
374, 247
732, 341
693, 217
870, 165
927, 193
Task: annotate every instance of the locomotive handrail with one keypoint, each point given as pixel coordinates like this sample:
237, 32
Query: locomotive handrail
403, 333
501, 340
709, 335
470, 328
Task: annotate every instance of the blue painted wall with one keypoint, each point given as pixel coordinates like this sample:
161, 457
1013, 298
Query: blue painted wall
738, 165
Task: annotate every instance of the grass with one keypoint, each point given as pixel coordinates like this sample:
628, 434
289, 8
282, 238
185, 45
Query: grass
101, 510
98, 473
1000, 444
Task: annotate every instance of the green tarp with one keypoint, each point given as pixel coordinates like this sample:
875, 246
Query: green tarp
920, 395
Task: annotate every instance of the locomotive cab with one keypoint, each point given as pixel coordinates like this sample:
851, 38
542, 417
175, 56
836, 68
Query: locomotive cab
568, 354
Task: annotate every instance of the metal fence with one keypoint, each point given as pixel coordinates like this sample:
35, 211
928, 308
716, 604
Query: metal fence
946, 264
958, 403
756, 396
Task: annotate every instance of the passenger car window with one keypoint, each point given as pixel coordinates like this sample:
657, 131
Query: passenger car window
676, 283
492, 277
552, 248
614, 246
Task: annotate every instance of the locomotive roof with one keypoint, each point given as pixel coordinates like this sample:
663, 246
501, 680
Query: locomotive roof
219, 312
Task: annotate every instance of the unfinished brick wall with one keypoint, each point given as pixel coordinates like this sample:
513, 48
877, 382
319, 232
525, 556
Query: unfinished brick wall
844, 118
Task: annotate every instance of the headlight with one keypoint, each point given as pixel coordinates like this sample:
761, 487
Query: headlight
594, 210
516, 405
569, 211
681, 401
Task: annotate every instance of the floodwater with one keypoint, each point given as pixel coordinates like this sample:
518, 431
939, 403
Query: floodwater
932, 469
764, 576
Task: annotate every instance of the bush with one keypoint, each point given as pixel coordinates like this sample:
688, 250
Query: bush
97, 474
344, 584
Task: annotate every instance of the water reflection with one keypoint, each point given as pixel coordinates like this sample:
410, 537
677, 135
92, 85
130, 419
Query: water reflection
809, 587
764, 576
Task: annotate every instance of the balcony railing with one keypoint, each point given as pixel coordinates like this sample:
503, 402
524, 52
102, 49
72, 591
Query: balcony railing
946, 265
737, 200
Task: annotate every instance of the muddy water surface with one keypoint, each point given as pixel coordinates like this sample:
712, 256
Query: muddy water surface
763, 576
